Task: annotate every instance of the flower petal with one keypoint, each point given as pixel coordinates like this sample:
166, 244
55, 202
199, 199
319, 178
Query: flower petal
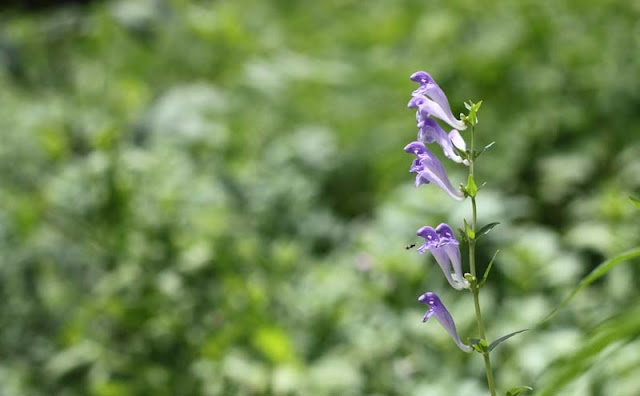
430, 131
434, 172
457, 140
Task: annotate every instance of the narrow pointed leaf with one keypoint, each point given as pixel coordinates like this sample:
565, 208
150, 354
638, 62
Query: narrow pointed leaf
486, 229
504, 338
488, 146
597, 273
486, 272
518, 390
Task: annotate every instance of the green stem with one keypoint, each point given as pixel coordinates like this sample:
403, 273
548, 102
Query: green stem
474, 285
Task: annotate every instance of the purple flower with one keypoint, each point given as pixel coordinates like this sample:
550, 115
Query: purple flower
429, 99
430, 170
446, 250
437, 309
429, 131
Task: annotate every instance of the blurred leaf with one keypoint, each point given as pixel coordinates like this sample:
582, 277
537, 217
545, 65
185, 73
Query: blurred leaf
275, 344
617, 330
597, 273
518, 390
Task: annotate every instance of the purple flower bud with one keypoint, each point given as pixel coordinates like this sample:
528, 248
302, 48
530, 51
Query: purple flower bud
445, 249
429, 169
438, 310
437, 104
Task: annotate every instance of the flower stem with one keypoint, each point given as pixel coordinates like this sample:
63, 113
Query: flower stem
474, 285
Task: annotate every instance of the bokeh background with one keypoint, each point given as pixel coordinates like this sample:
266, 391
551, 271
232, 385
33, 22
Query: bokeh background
211, 197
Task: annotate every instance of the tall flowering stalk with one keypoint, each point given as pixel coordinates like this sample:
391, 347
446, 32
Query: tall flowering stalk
431, 103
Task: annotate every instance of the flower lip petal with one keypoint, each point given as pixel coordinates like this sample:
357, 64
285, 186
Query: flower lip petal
428, 233
421, 77
416, 101
429, 298
446, 234
415, 148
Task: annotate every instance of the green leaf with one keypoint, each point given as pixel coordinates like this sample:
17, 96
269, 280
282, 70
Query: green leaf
635, 201
486, 272
485, 230
468, 231
504, 338
518, 390
597, 273
471, 187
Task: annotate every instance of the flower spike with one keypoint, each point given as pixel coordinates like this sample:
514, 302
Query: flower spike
438, 310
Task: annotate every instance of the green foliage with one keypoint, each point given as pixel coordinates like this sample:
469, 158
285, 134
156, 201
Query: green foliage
614, 333
211, 198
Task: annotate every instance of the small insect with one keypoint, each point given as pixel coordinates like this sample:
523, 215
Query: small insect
410, 246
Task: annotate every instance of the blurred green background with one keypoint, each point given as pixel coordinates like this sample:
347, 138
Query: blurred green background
211, 197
